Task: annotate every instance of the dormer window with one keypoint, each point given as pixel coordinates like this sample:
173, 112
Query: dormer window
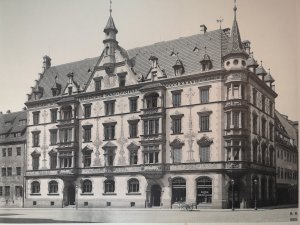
97, 82
122, 79
154, 60
178, 68
151, 100
70, 90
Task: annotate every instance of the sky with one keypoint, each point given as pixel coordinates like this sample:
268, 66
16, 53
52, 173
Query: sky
72, 30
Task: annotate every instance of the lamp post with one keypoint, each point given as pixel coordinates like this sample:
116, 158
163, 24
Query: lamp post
76, 194
255, 193
232, 197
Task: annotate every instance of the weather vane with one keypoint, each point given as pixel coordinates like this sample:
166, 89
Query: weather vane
220, 20
110, 10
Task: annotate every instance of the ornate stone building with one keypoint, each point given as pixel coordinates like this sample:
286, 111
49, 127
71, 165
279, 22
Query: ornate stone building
187, 120
12, 153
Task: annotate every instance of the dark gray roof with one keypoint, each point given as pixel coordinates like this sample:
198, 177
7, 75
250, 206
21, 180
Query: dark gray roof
8, 129
215, 42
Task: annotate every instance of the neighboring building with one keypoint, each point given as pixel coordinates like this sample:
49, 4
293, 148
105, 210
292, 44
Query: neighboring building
188, 120
287, 159
12, 152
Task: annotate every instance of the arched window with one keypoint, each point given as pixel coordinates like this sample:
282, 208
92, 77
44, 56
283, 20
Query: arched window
151, 100
204, 190
66, 112
178, 190
53, 187
87, 186
109, 186
133, 186
35, 187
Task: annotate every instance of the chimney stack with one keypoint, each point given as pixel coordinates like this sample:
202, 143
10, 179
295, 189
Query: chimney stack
46, 62
227, 31
203, 29
8, 111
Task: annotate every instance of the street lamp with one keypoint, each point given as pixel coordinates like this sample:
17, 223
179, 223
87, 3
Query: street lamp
232, 198
76, 194
255, 193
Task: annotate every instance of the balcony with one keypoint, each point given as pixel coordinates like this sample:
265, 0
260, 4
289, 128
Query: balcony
197, 166
57, 172
67, 123
153, 171
235, 103
152, 111
67, 145
152, 137
236, 131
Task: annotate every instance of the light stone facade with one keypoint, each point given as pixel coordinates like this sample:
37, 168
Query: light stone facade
133, 133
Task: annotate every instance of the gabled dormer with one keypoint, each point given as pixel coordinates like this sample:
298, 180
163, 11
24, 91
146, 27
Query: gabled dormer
178, 67
205, 62
37, 91
72, 87
155, 71
56, 88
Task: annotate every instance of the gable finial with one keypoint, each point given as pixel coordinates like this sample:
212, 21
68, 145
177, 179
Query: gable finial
110, 10
235, 9
261, 63
205, 49
220, 20
269, 71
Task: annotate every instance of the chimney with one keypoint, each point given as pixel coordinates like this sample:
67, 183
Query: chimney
203, 29
24, 108
227, 31
246, 45
46, 62
8, 111
1, 113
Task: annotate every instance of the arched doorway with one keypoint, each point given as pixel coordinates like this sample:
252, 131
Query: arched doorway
178, 190
155, 195
71, 195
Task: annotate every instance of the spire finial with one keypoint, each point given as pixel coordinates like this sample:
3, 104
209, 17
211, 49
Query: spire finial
261, 63
205, 49
110, 10
235, 8
269, 71
220, 20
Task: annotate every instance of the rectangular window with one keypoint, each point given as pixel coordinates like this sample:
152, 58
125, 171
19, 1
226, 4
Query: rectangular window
7, 190
97, 85
263, 103
18, 169
65, 159
236, 119
122, 81
87, 134
263, 127
204, 153
87, 159
176, 98
3, 152
53, 115
133, 104
18, 191
271, 126
133, 129
36, 117
151, 157
109, 131
9, 171
177, 155
70, 90
204, 122
176, 125
109, 108
151, 127
133, 157
65, 135
254, 96
87, 111
18, 150
53, 161
9, 152
236, 90
35, 139
3, 172
22, 122
204, 95
1, 191
271, 108
35, 162
53, 137
254, 121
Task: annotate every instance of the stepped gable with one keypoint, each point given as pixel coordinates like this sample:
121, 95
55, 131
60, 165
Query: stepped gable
139, 58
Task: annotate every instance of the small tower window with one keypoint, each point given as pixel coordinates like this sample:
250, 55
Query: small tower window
70, 90
235, 62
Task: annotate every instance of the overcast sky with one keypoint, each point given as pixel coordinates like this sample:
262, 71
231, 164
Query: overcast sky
72, 30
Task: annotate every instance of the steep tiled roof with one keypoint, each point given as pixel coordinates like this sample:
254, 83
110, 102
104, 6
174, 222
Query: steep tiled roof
215, 42
8, 129
289, 129
261, 70
110, 25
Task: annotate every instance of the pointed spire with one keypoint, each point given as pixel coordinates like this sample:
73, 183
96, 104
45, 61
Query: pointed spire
235, 46
110, 25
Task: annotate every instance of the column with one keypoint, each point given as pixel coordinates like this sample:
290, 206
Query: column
190, 190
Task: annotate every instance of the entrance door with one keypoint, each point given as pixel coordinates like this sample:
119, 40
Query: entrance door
155, 195
71, 195
236, 197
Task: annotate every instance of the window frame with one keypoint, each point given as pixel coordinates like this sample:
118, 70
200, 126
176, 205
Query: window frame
204, 94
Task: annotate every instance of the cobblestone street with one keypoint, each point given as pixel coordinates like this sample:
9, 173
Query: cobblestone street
71, 215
